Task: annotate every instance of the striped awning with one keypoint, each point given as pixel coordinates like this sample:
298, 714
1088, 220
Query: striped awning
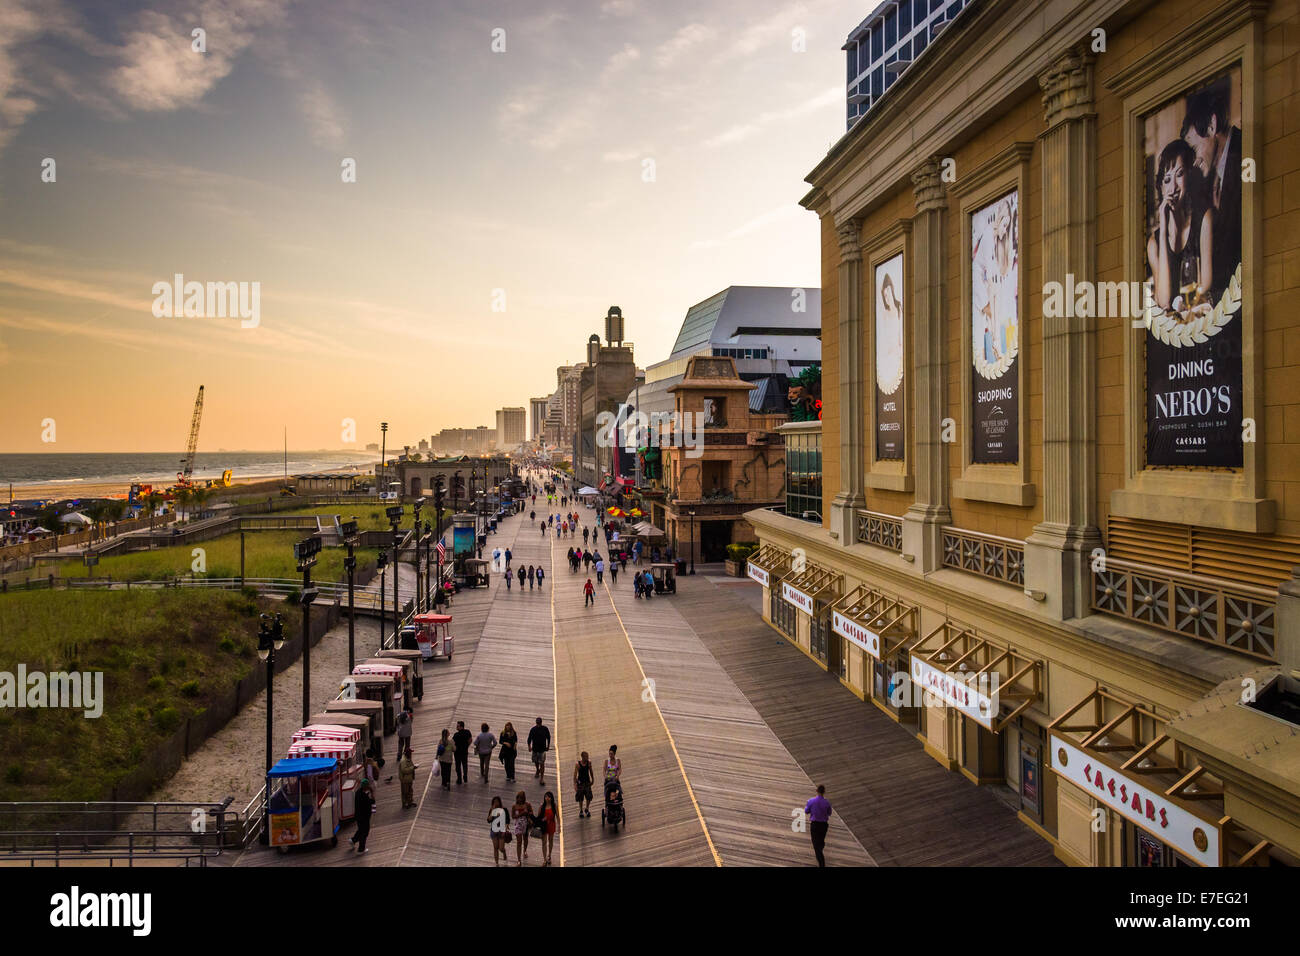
327, 749
987, 682
327, 732
773, 560
816, 582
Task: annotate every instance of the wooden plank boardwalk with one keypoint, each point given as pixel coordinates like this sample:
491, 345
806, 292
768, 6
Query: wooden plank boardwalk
903, 807
719, 756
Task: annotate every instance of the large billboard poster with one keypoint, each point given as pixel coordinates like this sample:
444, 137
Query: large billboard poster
1192, 176
889, 358
995, 331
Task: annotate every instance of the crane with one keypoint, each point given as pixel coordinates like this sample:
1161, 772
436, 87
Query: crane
183, 476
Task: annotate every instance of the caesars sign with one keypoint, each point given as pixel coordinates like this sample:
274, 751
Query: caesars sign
995, 331
1192, 176
888, 300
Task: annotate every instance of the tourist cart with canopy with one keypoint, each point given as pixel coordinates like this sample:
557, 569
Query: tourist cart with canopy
371, 711
477, 572
303, 797
665, 578
351, 764
433, 634
394, 672
376, 687
408, 673
412, 657
344, 720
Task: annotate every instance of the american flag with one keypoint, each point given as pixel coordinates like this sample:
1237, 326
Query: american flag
442, 550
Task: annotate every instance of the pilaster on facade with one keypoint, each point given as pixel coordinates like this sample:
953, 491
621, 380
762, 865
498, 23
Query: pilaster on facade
852, 428
1057, 552
930, 510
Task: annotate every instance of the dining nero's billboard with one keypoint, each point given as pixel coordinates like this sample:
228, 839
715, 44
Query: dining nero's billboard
995, 331
889, 359
1192, 192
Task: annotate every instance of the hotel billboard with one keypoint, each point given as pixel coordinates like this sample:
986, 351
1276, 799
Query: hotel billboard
1058, 544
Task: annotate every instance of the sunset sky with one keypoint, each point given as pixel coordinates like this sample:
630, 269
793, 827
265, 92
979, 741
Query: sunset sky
519, 171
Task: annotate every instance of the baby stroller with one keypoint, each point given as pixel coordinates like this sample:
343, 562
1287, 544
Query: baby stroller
613, 814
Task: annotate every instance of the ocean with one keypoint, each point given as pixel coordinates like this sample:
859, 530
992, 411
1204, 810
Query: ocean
154, 467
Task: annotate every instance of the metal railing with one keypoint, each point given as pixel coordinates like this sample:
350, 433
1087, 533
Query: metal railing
882, 530
1000, 559
111, 831
1234, 616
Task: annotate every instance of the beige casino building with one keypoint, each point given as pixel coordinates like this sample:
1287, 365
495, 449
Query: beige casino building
1060, 449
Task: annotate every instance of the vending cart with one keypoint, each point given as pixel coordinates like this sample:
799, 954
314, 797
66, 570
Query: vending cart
302, 803
433, 635
351, 767
413, 657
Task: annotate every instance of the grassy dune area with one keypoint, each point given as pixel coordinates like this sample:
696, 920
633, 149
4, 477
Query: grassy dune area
267, 554
166, 655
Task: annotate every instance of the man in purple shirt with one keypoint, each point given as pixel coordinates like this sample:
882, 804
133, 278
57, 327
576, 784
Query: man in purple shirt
819, 813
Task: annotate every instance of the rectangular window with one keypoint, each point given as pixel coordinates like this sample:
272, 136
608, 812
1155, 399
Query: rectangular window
877, 36
919, 44
919, 12
904, 18
877, 83
864, 54
853, 65
891, 30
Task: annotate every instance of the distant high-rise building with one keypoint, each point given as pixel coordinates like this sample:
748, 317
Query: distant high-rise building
512, 427
537, 408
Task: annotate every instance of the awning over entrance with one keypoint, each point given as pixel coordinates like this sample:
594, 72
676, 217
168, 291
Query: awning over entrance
806, 588
1118, 753
975, 675
876, 622
768, 563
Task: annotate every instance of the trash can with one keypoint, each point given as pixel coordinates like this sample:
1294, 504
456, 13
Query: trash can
681, 565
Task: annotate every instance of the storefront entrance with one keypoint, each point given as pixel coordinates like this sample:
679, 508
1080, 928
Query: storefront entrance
1143, 850
981, 751
713, 540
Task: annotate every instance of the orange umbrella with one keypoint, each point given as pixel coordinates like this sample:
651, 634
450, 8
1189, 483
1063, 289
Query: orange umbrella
636, 513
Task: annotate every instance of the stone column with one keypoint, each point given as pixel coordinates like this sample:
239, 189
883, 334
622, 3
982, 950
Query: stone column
1057, 553
929, 512
849, 498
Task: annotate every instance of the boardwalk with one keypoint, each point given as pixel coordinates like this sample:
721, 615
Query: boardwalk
722, 729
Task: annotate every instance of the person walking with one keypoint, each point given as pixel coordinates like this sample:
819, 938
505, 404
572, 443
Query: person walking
372, 773
818, 810
583, 772
498, 829
446, 754
365, 806
532, 576
543, 529
508, 556
521, 814
509, 750
484, 744
509, 579
539, 741
589, 590
549, 818
522, 574
586, 533
540, 574
600, 569
406, 776
613, 766
613, 571
636, 583
404, 726
648, 584
462, 739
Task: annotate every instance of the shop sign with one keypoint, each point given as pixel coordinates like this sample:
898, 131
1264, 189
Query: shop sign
284, 829
869, 641
797, 598
757, 573
1139, 804
966, 695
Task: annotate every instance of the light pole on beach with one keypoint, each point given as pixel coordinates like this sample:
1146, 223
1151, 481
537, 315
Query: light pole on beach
270, 638
349, 531
415, 530
692, 514
383, 456
306, 552
395, 519
382, 564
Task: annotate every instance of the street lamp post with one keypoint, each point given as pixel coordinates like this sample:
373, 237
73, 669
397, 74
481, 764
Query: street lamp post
395, 519
382, 564
692, 514
383, 456
415, 528
349, 530
306, 552
270, 638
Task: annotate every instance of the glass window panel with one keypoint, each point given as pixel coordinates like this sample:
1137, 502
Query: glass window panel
853, 64
904, 18
919, 12
891, 30
877, 38
919, 43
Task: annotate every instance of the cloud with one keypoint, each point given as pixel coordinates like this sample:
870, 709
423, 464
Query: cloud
323, 115
761, 221
617, 8
832, 96
159, 69
18, 25
683, 40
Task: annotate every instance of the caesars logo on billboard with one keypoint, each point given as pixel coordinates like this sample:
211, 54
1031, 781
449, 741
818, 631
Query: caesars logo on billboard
995, 330
1192, 189
888, 304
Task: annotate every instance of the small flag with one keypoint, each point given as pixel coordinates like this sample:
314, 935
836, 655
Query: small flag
442, 550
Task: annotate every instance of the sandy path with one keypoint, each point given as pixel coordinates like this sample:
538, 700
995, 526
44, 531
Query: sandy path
232, 761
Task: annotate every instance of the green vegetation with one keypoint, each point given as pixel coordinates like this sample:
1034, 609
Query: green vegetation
267, 554
741, 552
166, 656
